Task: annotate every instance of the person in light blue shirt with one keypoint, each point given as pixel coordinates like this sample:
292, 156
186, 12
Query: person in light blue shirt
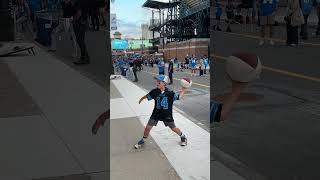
267, 11
161, 67
306, 7
193, 65
206, 63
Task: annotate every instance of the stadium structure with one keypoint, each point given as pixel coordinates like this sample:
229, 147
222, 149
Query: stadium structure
183, 26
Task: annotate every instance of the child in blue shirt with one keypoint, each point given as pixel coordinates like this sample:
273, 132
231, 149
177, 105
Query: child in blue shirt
193, 65
267, 9
161, 67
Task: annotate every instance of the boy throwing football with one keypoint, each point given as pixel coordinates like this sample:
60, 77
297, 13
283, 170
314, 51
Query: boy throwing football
162, 111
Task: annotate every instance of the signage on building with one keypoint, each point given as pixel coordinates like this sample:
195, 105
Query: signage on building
113, 22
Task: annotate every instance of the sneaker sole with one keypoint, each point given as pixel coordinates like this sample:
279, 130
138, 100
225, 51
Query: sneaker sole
137, 146
183, 144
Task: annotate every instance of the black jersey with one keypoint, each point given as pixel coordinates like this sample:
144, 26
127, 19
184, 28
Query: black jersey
163, 104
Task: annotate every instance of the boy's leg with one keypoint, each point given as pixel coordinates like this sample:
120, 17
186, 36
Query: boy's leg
304, 28
262, 34
146, 133
295, 35
173, 127
271, 34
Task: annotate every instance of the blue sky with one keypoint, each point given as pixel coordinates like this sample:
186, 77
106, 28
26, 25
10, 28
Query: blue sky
130, 16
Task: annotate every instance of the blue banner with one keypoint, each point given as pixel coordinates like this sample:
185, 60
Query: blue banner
119, 44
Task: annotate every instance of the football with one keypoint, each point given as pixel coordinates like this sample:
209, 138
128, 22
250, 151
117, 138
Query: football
243, 67
186, 82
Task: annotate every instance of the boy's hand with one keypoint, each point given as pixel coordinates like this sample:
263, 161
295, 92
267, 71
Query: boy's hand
181, 93
141, 100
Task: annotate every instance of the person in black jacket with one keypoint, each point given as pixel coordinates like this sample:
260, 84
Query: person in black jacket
135, 69
170, 71
94, 14
187, 62
80, 24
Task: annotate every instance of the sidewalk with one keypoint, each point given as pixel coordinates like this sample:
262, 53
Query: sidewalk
46, 121
163, 151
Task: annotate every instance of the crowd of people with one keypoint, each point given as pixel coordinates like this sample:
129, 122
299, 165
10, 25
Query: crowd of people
73, 17
263, 13
134, 63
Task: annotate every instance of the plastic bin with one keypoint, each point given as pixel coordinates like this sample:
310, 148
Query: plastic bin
124, 71
46, 22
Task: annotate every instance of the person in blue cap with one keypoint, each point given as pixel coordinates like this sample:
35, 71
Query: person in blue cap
162, 111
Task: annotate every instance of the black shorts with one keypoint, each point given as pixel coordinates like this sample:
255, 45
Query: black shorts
218, 17
153, 122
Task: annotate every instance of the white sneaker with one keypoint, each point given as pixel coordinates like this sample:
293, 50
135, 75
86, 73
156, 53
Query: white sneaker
271, 43
183, 140
139, 144
261, 43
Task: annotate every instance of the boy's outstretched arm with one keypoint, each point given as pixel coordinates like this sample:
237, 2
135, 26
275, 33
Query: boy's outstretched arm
100, 121
141, 99
181, 93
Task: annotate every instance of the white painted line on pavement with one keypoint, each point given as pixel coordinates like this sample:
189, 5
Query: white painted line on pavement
190, 162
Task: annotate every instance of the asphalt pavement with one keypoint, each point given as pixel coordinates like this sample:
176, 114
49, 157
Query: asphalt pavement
274, 137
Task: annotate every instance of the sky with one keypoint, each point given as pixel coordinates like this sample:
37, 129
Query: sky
130, 15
